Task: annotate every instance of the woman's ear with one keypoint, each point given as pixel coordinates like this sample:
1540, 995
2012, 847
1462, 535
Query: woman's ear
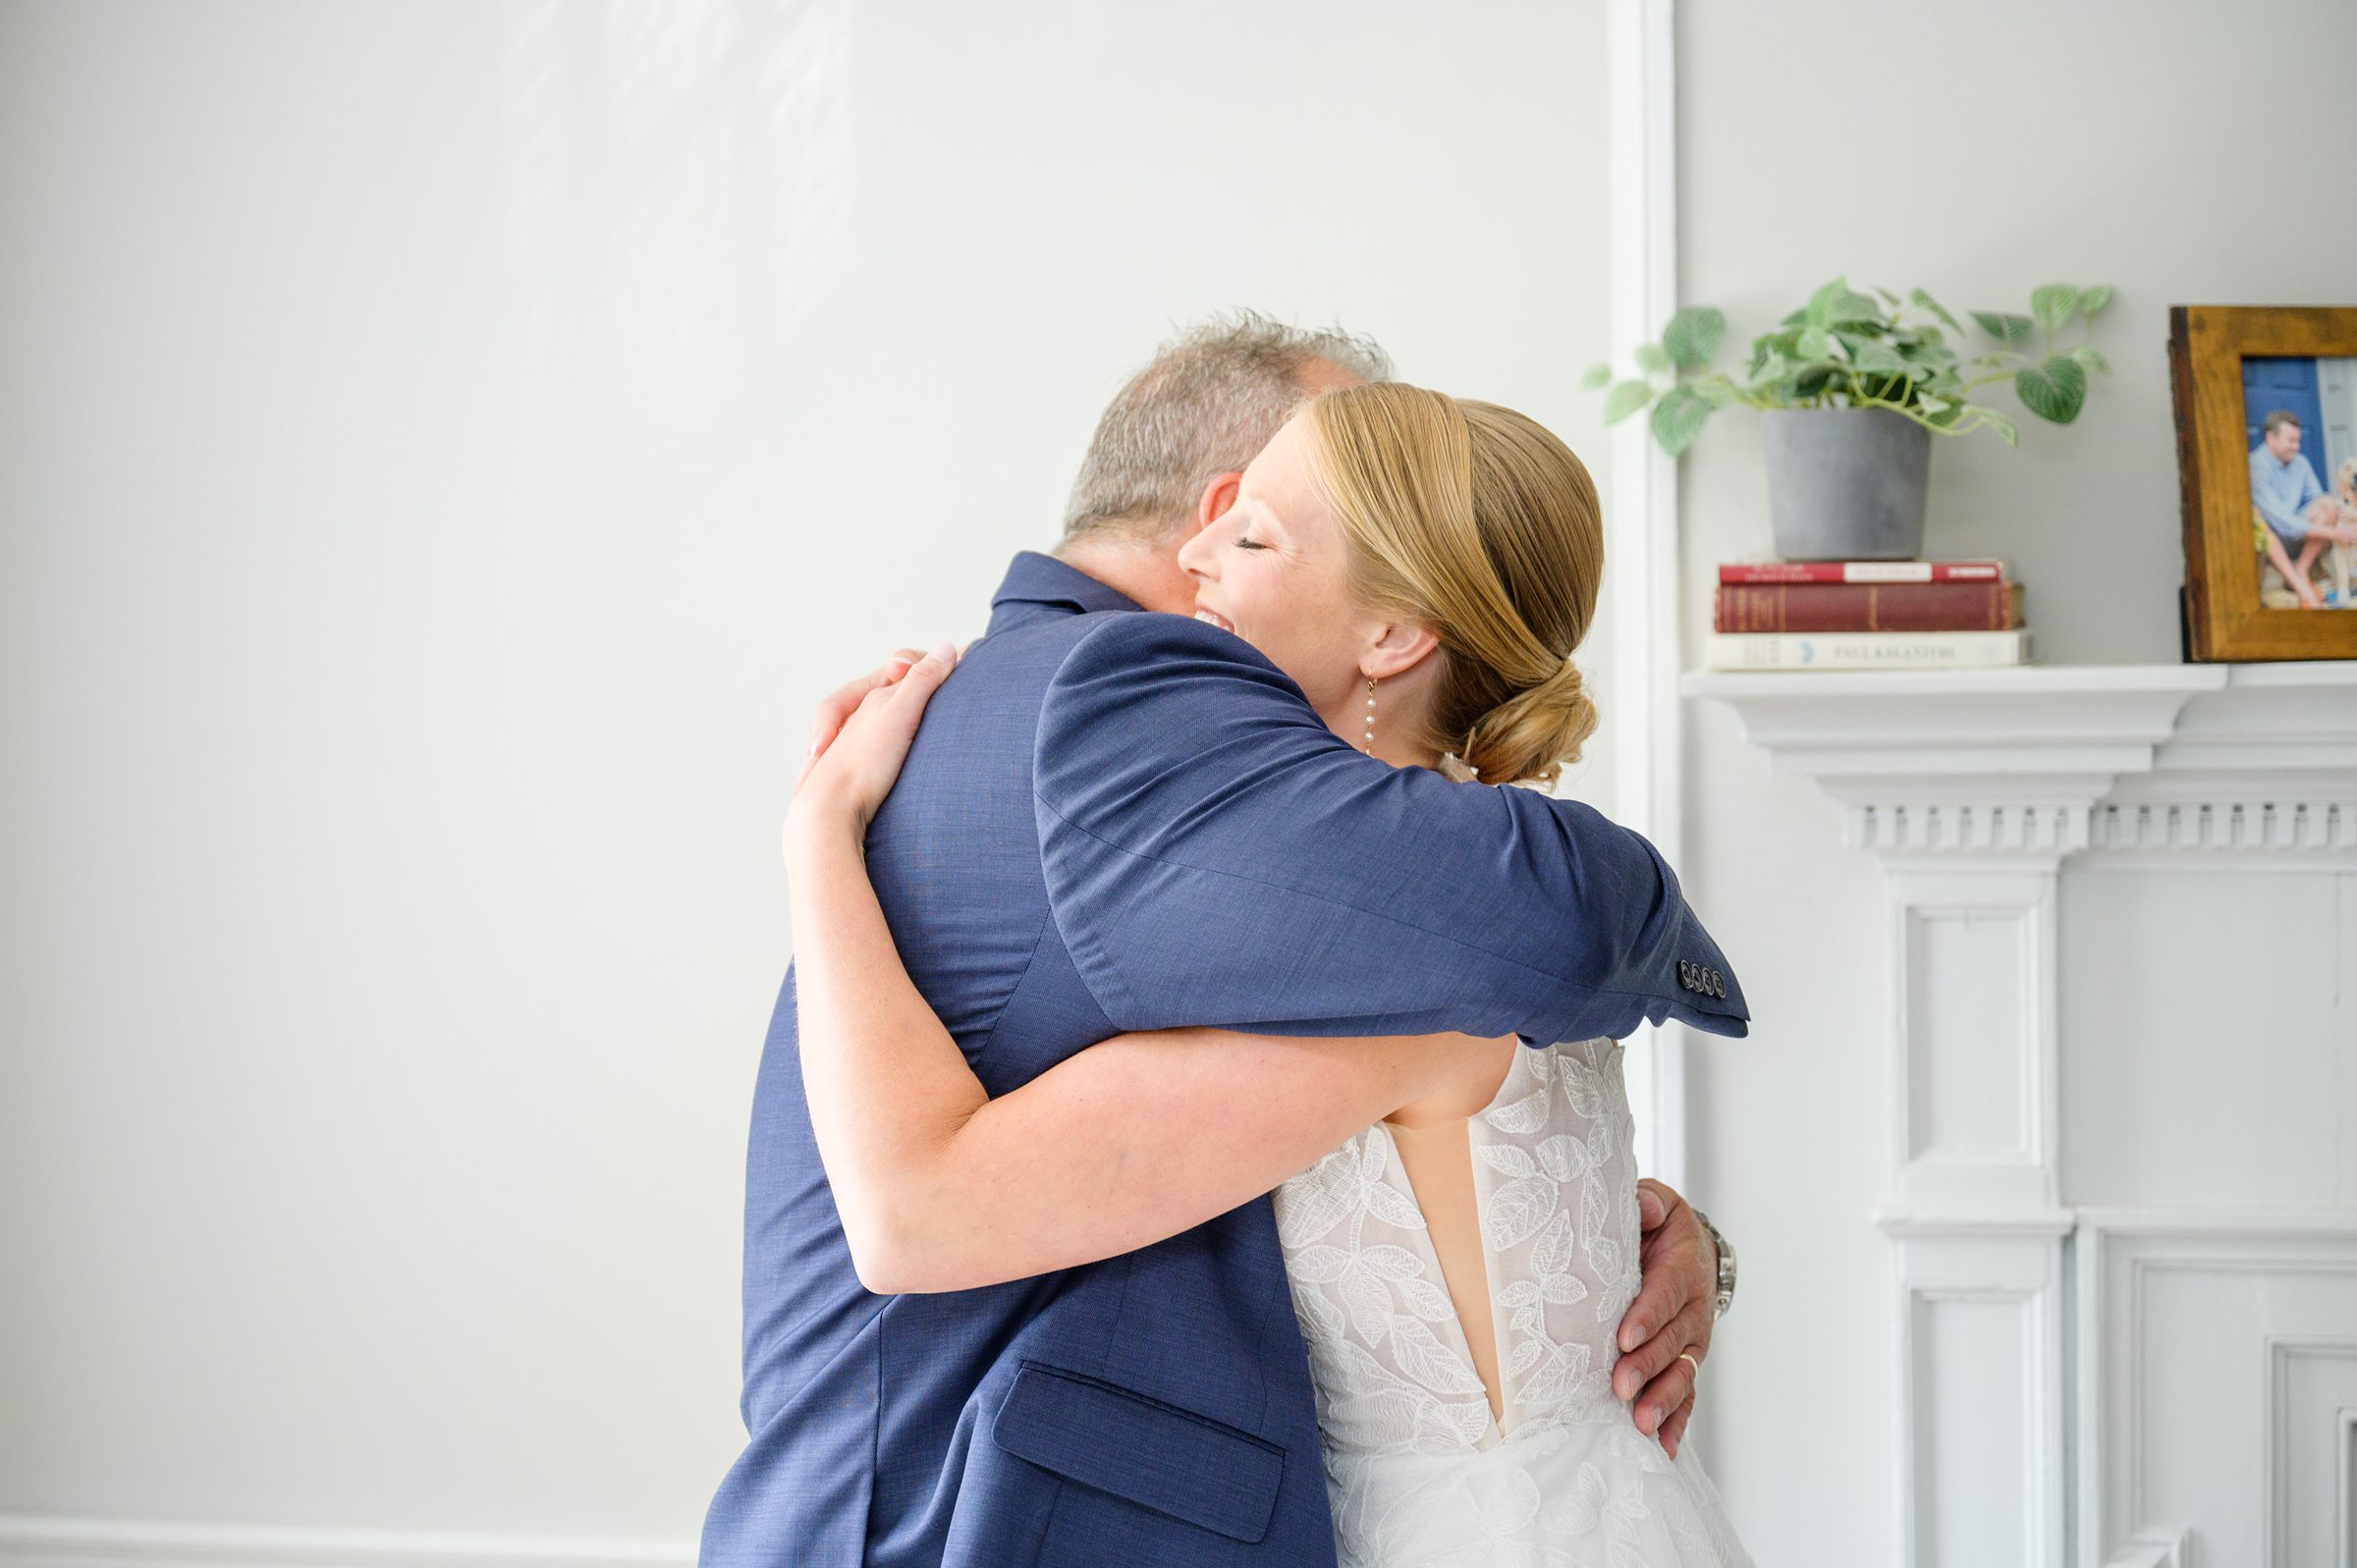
1400, 648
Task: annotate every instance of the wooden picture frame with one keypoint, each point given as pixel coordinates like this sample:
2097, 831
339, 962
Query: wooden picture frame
2226, 547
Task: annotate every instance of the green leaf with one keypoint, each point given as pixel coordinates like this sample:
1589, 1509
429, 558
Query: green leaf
2093, 361
1776, 343
1771, 368
2002, 425
1886, 293
1799, 318
1936, 405
1626, 398
1924, 300
1880, 359
2053, 391
1813, 345
1650, 358
1693, 335
2095, 299
2054, 304
1597, 376
1809, 383
1678, 418
2007, 329
1839, 302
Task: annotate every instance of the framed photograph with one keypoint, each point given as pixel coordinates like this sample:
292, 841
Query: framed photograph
2266, 466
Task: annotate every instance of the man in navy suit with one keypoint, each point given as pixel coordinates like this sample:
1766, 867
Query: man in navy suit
1109, 822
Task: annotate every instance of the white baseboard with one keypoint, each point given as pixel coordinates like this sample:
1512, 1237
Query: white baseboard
30, 1541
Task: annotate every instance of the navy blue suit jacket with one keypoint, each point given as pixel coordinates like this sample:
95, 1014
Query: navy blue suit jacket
1113, 821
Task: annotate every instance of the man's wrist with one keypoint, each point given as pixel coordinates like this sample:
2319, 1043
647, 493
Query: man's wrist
1725, 1253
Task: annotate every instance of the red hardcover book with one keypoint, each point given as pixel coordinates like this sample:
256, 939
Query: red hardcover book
1747, 571
1867, 607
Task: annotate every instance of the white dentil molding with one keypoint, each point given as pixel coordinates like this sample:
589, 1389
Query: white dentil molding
2036, 763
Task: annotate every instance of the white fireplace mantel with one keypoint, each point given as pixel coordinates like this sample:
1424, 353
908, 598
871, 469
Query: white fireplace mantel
1971, 787
2039, 761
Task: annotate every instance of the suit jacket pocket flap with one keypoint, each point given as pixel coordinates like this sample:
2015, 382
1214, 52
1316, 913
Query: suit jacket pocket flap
1156, 1455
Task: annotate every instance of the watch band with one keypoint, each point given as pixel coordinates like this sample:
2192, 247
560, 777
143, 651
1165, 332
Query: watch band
1726, 1265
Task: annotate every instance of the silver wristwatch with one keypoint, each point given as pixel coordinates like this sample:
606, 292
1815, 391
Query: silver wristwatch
1727, 1267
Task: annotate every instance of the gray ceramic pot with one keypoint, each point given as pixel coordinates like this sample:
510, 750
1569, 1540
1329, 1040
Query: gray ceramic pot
1847, 484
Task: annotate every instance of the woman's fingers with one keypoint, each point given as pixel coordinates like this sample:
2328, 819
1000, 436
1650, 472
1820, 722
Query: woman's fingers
844, 701
902, 706
837, 706
923, 677
862, 762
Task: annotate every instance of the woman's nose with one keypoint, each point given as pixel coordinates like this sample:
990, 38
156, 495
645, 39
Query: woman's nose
1196, 556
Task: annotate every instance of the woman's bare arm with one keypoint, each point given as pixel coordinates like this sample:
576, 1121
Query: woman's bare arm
942, 1188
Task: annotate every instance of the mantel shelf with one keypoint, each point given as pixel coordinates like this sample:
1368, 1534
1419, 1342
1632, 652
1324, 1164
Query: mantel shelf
2045, 759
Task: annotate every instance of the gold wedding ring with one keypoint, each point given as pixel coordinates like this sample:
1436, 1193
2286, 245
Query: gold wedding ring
1687, 1357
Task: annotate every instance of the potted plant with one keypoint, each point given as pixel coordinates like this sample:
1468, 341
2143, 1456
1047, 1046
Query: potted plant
1852, 391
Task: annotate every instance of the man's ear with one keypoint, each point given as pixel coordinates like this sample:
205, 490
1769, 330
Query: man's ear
1218, 497
1402, 647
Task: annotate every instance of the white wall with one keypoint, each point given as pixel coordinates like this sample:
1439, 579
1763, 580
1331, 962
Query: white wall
444, 449
1977, 152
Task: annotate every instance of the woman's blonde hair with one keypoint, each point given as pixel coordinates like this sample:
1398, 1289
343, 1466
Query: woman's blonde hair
1476, 522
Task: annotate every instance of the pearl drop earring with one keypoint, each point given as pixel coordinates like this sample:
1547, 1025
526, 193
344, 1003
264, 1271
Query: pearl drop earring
1369, 746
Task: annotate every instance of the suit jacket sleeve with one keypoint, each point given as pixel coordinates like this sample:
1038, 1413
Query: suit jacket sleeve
1215, 855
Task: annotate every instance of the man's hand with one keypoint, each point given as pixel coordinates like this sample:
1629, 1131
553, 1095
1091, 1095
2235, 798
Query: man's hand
1675, 1306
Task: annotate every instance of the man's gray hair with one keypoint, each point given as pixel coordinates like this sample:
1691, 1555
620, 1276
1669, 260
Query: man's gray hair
1209, 398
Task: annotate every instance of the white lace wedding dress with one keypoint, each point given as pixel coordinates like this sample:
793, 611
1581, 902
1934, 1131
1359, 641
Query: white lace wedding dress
1420, 1473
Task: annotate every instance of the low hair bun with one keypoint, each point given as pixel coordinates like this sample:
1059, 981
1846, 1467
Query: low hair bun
1533, 734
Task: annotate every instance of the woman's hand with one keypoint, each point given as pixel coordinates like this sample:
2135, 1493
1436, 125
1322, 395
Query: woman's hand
859, 741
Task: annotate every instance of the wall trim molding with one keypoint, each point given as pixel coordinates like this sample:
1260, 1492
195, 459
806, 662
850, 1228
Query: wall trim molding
1641, 524
2165, 1548
2281, 1352
2117, 1253
44, 1541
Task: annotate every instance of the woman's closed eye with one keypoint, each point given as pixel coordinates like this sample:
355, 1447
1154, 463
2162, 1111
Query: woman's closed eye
1242, 543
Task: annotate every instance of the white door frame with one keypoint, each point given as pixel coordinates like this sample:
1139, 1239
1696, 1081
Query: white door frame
1641, 533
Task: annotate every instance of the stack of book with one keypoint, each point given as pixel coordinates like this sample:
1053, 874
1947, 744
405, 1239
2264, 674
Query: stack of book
1864, 614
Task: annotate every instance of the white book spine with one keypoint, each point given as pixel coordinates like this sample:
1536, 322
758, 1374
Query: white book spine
1864, 650
1920, 571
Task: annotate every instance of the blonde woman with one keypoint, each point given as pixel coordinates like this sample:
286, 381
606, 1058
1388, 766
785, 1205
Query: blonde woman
2343, 557
1422, 570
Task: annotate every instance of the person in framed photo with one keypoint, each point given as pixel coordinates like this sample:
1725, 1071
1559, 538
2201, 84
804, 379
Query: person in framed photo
2303, 519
